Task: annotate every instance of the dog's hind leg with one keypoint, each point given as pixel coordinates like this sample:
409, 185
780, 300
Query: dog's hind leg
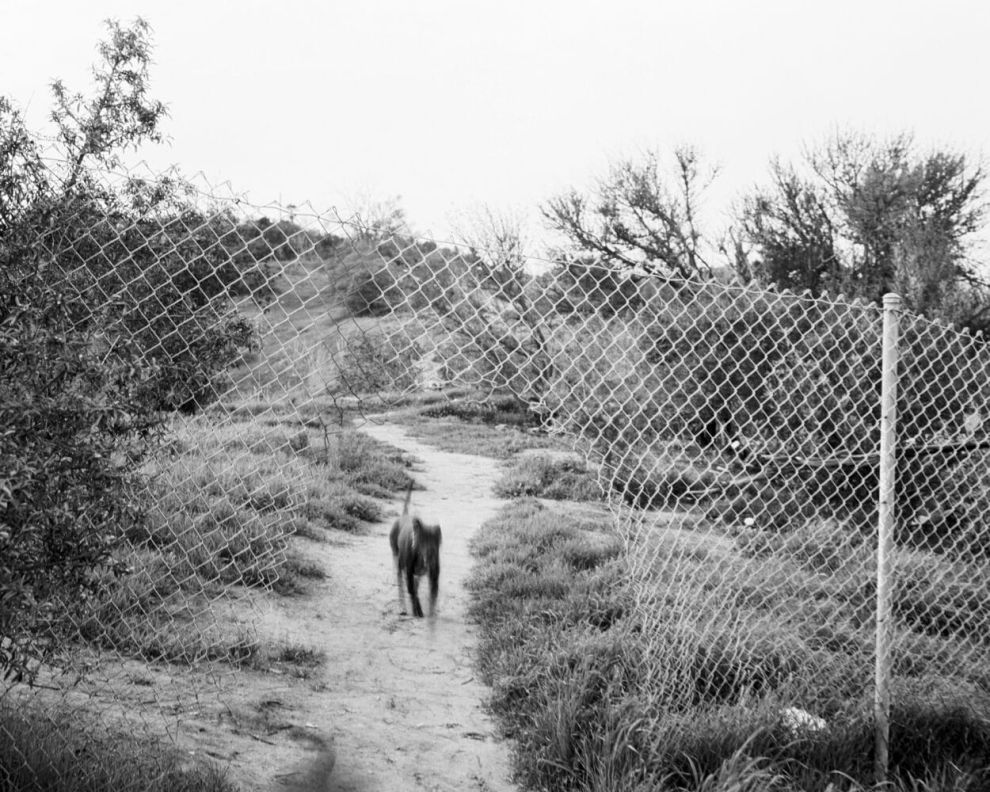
393, 540
434, 585
412, 585
402, 594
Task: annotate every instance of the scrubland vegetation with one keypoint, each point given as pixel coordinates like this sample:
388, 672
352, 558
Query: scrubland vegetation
659, 654
223, 508
131, 521
544, 476
220, 518
38, 753
597, 698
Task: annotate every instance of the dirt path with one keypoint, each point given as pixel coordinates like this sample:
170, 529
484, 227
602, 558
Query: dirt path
398, 697
411, 716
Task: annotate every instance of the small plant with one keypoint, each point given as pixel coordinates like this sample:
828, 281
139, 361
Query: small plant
376, 361
300, 654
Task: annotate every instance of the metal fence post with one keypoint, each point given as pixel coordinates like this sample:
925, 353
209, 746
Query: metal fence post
885, 532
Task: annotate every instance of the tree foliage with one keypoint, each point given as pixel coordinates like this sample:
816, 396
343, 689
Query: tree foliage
640, 217
865, 217
500, 314
114, 305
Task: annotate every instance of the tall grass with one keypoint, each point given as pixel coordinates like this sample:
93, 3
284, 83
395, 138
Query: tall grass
229, 499
55, 752
224, 504
604, 687
543, 476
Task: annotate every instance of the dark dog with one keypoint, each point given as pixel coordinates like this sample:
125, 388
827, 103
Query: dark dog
416, 550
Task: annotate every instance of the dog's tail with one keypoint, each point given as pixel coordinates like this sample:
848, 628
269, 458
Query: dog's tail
405, 506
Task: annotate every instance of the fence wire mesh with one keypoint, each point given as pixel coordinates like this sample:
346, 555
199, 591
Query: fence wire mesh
737, 433
734, 432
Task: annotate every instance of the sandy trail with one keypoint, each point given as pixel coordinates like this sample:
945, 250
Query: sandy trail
397, 696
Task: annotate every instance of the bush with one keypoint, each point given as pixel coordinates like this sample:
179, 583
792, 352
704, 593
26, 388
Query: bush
114, 305
144, 273
587, 287
74, 433
371, 293
377, 361
795, 379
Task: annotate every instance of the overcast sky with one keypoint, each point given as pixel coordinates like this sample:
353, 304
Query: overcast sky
454, 103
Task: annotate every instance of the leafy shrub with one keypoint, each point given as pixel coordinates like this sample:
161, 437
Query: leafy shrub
731, 356
74, 433
114, 305
945, 504
163, 285
798, 379
144, 273
376, 361
587, 287
371, 275
371, 293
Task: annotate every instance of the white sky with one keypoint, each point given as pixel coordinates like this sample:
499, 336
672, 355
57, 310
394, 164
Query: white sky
453, 103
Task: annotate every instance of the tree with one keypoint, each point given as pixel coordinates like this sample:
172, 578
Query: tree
377, 219
496, 311
640, 218
586, 286
99, 329
74, 426
869, 217
791, 227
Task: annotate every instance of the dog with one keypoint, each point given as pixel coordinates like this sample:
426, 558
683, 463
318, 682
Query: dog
416, 552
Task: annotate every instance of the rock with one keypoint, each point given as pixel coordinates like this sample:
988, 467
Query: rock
800, 723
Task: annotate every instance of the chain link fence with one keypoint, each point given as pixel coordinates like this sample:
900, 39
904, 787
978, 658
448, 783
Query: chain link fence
176, 387
180, 368
736, 432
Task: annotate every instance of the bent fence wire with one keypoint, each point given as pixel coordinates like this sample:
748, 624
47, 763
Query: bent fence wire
734, 431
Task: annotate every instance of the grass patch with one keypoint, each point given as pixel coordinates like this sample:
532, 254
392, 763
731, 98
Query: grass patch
935, 595
471, 424
148, 613
60, 754
292, 658
683, 693
227, 501
299, 569
299, 654
369, 467
542, 476
311, 530
457, 436
223, 505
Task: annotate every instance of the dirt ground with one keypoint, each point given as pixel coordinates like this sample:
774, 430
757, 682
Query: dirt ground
396, 704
